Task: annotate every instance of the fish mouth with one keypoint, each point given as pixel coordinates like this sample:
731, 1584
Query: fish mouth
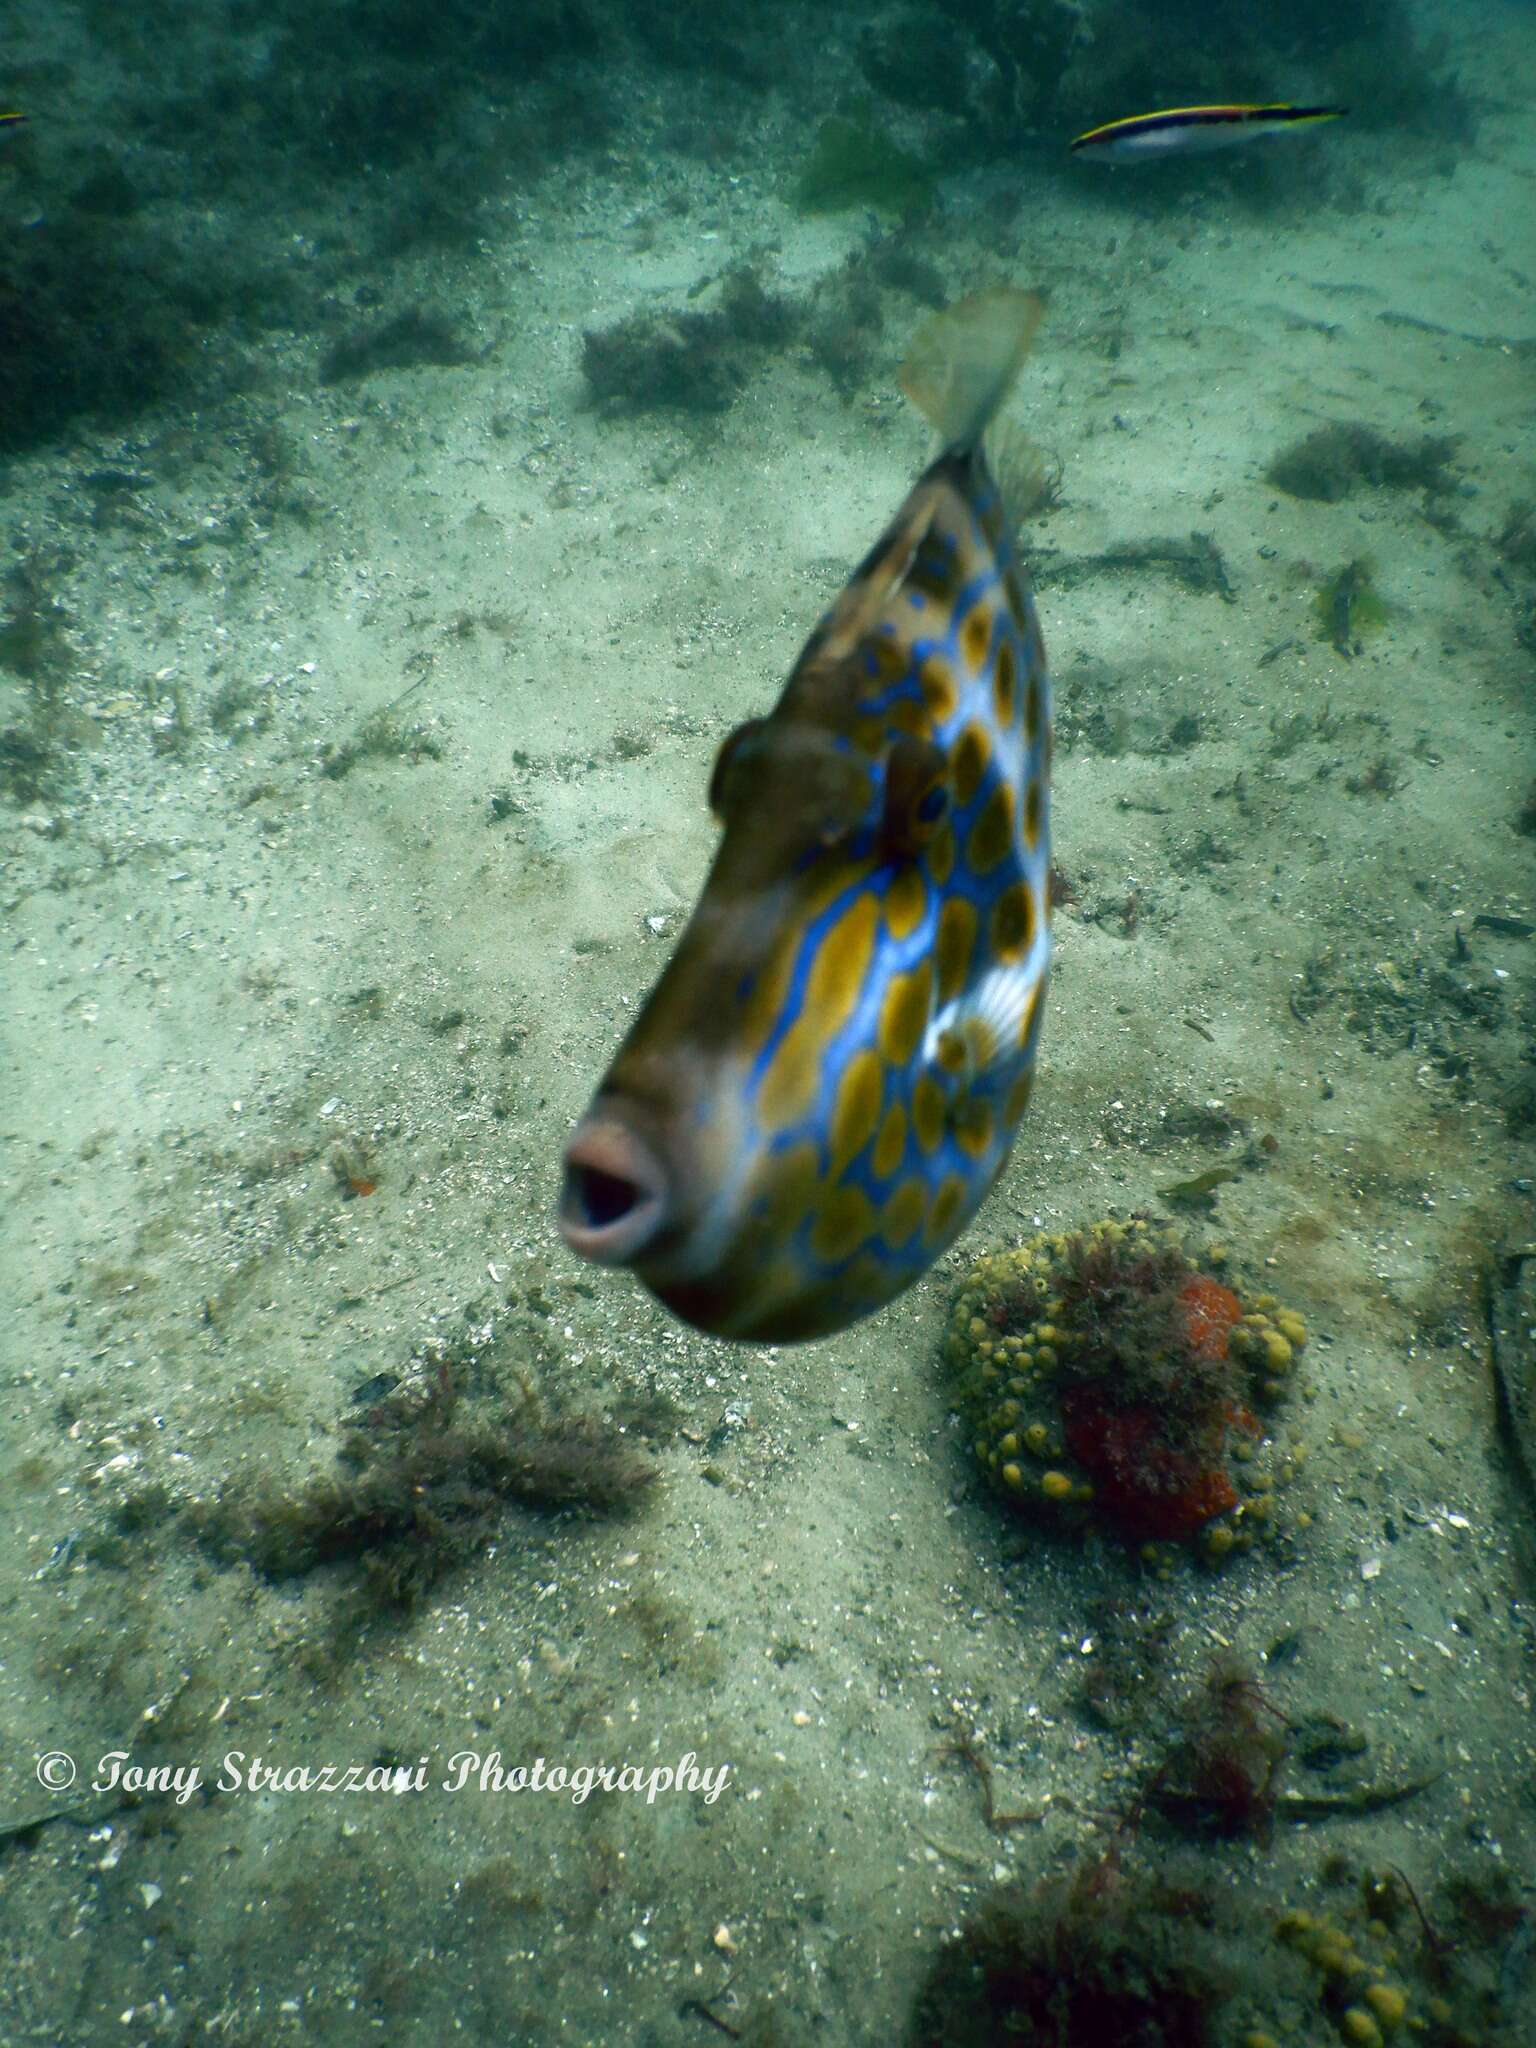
615, 1199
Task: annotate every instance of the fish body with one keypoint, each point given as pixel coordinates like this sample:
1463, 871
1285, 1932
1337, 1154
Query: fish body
827, 1078
1196, 131
12, 124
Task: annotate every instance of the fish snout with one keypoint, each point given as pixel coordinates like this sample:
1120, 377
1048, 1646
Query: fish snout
616, 1198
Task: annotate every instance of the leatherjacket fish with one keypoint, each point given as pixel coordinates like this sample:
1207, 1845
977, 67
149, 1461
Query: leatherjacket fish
826, 1080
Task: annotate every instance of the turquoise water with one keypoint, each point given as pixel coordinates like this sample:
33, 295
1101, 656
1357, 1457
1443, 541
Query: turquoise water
425, 434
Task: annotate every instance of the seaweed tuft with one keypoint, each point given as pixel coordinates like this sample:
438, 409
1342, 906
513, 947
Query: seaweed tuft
1332, 461
696, 360
418, 1488
1094, 1956
1221, 1775
418, 338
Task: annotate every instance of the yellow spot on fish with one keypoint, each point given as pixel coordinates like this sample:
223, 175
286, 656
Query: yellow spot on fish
928, 1111
891, 1143
1013, 922
992, 834
889, 662
762, 1009
792, 1179
972, 754
1018, 1096
951, 1052
1004, 681
842, 961
972, 1122
846, 1219
946, 1207
905, 901
907, 715
955, 945
857, 1109
938, 687
1032, 816
904, 1013
780, 1281
976, 637
866, 1282
903, 1212
1032, 710
766, 1002
789, 1086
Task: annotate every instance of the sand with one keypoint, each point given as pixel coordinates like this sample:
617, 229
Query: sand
291, 1055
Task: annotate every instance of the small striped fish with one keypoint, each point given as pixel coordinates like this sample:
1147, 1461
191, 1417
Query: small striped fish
1196, 131
826, 1080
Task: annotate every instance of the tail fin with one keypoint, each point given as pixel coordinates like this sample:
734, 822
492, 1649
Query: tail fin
963, 361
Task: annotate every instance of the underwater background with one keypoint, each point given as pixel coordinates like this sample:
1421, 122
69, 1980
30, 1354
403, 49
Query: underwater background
425, 433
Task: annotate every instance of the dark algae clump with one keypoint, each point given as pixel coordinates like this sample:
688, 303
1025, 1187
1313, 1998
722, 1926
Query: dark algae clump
421, 1484
1094, 1958
36, 647
700, 358
1335, 460
697, 359
414, 339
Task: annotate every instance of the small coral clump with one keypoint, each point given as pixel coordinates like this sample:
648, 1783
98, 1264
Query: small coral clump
1364, 2004
1446, 1972
1105, 1372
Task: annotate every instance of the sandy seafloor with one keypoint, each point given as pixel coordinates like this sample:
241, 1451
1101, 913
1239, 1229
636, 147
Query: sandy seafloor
222, 963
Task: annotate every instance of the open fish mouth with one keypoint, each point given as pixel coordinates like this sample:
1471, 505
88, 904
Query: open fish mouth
615, 1198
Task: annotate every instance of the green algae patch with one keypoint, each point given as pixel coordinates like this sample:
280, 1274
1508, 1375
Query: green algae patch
855, 163
1349, 608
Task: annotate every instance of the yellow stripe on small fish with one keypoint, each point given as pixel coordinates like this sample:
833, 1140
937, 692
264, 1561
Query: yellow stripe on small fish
1194, 131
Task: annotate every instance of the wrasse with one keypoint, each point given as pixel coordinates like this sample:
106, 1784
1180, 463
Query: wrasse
826, 1080
1195, 131
12, 124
